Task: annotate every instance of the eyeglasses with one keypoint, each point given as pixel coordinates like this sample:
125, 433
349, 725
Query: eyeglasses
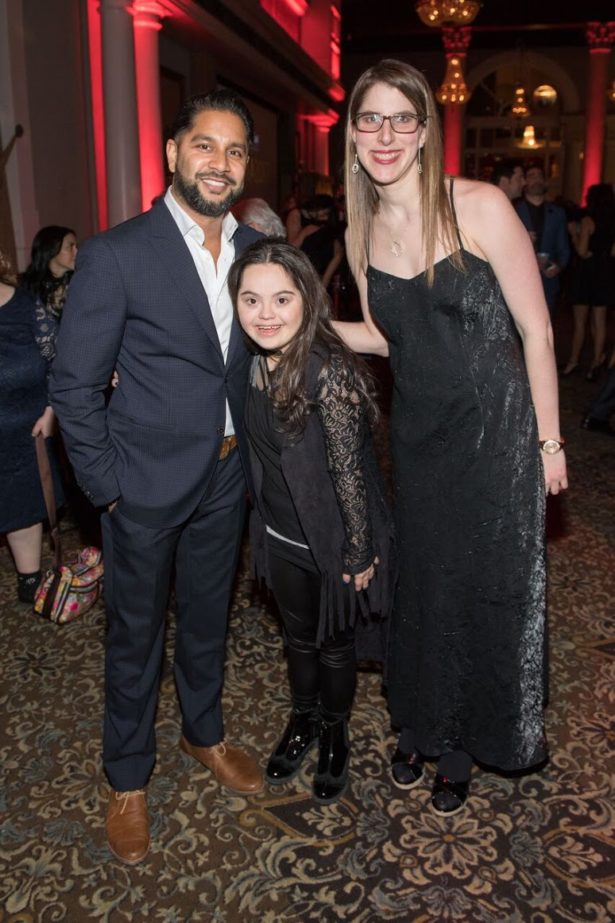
404, 123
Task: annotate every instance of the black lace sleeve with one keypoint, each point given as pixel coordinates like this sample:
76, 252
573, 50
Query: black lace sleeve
343, 420
45, 332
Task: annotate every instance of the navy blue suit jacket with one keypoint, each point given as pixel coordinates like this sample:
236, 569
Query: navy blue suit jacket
136, 304
554, 241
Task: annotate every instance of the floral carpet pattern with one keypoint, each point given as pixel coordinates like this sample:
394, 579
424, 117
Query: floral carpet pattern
536, 848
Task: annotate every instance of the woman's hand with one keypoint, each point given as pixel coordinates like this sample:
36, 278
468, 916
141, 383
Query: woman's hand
45, 423
361, 581
556, 478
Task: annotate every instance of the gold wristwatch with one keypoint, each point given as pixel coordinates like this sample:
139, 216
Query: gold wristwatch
551, 446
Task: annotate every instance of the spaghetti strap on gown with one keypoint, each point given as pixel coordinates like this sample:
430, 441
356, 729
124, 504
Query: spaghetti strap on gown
467, 659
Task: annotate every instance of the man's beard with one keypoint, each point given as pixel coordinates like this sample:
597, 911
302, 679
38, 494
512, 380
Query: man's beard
191, 195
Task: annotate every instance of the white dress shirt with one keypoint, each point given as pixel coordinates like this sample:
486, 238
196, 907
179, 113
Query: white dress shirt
213, 277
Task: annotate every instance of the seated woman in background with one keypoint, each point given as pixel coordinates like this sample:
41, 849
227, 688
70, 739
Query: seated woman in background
54, 251
320, 530
24, 412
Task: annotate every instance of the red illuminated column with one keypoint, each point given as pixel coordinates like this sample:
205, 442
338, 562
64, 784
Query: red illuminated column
147, 15
120, 104
454, 94
323, 121
600, 37
453, 133
98, 110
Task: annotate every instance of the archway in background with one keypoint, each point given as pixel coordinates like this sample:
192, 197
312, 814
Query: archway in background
493, 133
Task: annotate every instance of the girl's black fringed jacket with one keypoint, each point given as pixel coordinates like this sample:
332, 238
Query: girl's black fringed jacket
336, 486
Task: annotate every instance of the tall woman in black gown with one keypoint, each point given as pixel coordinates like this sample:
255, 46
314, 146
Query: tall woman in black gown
450, 291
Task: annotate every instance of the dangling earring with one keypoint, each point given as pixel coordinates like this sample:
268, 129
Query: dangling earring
419, 168
355, 167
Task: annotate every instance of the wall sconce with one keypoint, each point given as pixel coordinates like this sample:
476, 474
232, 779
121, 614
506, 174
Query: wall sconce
545, 95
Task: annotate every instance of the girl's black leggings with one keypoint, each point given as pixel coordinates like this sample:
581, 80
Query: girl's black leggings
322, 676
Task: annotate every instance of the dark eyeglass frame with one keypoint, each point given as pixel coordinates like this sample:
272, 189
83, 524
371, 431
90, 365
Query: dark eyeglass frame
418, 120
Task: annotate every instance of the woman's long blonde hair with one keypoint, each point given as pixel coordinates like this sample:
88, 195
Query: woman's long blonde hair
437, 220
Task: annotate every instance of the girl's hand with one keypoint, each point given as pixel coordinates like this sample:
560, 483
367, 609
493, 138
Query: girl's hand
556, 478
45, 423
361, 581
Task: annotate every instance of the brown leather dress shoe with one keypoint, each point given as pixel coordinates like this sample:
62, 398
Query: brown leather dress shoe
232, 767
128, 825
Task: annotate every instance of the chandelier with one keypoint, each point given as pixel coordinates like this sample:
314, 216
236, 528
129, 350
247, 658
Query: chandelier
520, 108
454, 88
529, 141
436, 12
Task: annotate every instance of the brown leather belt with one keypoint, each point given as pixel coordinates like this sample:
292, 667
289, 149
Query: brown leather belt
228, 444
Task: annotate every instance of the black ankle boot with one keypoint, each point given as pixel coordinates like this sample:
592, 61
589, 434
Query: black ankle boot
300, 733
333, 757
27, 585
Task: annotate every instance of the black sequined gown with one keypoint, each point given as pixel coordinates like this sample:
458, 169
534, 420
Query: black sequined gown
466, 663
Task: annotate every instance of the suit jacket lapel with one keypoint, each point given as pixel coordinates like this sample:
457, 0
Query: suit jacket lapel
176, 257
236, 340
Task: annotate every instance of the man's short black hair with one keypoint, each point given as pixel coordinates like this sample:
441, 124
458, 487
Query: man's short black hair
219, 100
505, 168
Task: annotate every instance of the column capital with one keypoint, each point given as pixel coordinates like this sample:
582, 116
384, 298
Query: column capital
298, 7
600, 36
456, 39
147, 14
324, 121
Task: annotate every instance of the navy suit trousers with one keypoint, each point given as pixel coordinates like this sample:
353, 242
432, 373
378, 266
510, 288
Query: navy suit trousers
138, 568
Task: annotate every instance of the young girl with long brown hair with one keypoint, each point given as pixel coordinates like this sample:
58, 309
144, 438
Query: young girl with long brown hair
320, 531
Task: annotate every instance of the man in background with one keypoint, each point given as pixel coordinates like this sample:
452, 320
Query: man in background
508, 176
547, 227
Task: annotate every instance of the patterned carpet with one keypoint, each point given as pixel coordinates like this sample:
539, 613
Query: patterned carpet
528, 849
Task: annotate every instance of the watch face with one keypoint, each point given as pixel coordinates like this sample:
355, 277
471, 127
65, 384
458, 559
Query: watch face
551, 446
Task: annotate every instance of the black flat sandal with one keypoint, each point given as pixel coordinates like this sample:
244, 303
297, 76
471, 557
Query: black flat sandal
447, 796
407, 768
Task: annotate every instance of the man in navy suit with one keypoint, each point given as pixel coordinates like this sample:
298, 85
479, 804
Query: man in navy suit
166, 457
548, 229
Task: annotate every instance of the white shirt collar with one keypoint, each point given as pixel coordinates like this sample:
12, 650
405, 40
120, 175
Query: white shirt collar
188, 226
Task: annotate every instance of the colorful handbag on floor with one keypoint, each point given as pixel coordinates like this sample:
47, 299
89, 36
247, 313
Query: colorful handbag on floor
66, 590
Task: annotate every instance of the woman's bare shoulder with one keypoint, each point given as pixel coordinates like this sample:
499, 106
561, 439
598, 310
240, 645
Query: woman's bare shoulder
476, 202
484, 213
472, 191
